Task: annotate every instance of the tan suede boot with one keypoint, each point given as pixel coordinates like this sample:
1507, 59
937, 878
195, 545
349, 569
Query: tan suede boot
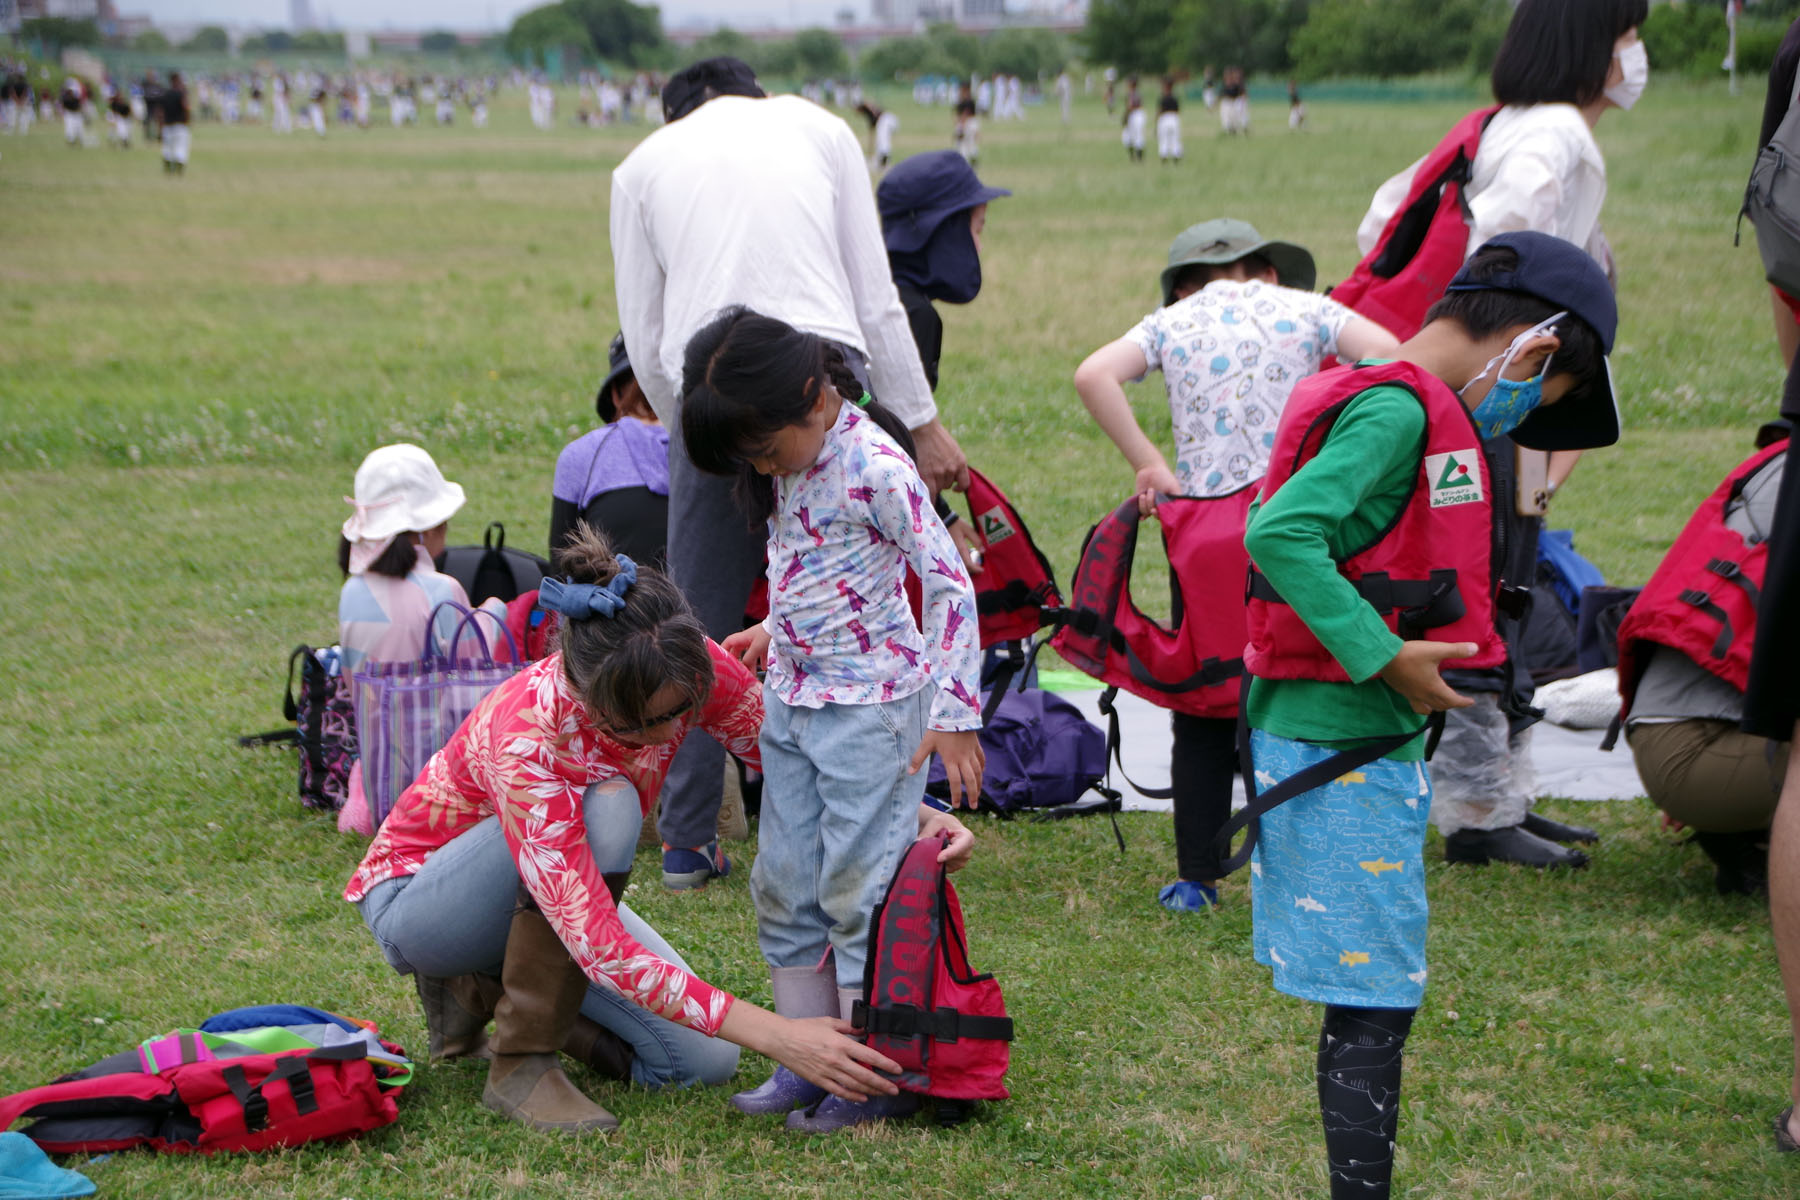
457, 1012
535, 1016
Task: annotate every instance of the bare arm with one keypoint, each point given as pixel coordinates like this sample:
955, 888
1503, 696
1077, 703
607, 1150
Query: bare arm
1362, 338
1099, 381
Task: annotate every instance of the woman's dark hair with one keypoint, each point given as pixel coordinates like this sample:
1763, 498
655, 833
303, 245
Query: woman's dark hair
617, 664
746, 377
1489, 311
397, 560
1559, 51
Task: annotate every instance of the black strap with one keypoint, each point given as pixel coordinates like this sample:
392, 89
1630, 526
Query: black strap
289, 707
1726, 569
1115, 754
939, 1024
250, 1099
1420, 604
298, 1077
274, 737
1612, 732
1704, 602
1317, 775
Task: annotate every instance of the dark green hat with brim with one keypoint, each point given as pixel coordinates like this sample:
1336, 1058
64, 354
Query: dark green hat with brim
1221, 241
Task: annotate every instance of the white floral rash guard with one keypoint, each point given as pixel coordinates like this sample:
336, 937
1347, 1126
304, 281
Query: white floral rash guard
840, 624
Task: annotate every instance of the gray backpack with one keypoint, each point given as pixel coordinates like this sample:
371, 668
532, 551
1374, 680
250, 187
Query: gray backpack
1772, 201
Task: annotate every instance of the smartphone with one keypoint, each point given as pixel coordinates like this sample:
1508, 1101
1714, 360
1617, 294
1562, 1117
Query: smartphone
1531, 470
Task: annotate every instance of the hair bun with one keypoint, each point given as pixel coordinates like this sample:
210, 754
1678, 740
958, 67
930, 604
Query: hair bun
587, 557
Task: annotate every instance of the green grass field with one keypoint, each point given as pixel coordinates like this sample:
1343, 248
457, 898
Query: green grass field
191, 369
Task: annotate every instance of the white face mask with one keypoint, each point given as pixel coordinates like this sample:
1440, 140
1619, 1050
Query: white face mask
1634, 61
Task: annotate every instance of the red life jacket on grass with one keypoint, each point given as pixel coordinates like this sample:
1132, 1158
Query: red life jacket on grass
1424, 243
173, 1094
1702, 598
1430, 573
923, 1005
1193, 667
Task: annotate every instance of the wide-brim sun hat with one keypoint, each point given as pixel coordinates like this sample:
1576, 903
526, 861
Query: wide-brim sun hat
920, 193
399, 489
1224, 240
1565, 276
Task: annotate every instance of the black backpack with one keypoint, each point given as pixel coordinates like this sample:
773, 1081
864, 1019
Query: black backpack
491, 569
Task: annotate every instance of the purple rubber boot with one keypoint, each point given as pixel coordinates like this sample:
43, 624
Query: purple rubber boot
781, 1092
832, 1114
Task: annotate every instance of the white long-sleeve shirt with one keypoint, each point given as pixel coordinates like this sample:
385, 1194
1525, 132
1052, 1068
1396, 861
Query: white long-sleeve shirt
1538, 168
764, 203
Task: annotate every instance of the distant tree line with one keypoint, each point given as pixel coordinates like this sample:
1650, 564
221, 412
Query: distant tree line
585, 31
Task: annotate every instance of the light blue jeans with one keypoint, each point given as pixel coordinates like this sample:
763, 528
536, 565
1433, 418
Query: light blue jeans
453, 916
839, 811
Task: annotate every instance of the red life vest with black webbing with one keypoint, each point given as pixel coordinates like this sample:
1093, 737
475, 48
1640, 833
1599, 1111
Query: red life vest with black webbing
1424, 243
1702, 598
183, 1099
1431, 571
1193, 665
923, 1005
1016, 582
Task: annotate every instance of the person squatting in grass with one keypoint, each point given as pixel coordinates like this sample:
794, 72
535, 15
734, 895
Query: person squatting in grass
857, 696
498, 879
1377, 468
1239, 326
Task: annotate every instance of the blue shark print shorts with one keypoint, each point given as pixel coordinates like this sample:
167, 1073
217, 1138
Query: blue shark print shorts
1337, 882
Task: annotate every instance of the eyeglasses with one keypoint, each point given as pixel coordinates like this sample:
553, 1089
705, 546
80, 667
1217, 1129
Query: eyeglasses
673, 714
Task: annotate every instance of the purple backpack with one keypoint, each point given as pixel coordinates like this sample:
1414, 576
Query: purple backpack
1042, 753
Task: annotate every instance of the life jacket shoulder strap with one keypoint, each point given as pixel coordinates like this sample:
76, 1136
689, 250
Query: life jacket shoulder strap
941, 1024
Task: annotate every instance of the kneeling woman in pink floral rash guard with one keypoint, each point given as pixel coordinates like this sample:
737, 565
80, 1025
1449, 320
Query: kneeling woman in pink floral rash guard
498, 879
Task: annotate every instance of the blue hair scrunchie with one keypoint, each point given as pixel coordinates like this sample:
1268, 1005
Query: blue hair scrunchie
579, 601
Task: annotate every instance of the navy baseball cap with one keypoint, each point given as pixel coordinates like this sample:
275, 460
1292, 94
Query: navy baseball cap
1562, 274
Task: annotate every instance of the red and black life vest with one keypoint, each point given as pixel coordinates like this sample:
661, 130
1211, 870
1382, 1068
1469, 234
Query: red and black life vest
1429, 573
1194, 666
1702, 598
186, 1101
923, 1005
1016, 582
1424, 243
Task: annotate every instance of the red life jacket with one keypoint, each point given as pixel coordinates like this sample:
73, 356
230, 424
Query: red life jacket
1424, 243
1016, 583
923, 1005
1195, 666
186, 1101
1702, 598
1431, 571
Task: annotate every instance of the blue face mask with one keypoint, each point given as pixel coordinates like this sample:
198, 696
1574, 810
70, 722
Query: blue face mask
1509, 401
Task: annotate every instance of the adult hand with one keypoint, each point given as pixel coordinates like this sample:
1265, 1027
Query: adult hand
956, 853
969, 546
964, 761
749, 646
817, 1048
942, 463
1151, 480
1414, 674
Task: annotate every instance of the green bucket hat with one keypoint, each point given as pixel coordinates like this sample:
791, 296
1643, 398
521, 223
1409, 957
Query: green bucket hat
1224, 240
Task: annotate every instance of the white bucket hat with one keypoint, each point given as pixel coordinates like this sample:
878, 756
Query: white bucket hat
399, 489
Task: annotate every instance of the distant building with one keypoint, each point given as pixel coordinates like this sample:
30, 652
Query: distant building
9, 16
69, 10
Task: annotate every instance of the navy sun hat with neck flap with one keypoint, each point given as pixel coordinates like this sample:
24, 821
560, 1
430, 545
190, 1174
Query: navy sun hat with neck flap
927, 249
1562, 274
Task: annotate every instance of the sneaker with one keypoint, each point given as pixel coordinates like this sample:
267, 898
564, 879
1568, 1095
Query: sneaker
832, 1114
782, 1092
685, 869
1186, 896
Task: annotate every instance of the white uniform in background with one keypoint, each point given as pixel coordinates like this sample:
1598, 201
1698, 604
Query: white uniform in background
1168, 135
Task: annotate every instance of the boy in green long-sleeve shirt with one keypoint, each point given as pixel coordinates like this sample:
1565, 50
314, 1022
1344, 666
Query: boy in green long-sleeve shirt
1370, 544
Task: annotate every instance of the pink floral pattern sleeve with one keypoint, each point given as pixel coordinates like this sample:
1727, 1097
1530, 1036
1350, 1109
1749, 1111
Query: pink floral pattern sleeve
528, 753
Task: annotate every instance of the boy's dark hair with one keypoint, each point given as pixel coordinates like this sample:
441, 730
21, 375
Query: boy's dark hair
397, 560
744, 378
1487, 311
617, 664
1198, 275
1559, 51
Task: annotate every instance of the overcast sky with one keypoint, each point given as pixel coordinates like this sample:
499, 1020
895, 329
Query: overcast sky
478, 14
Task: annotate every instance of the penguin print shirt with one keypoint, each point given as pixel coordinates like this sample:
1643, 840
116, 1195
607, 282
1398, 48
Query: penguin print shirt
840, 623
1230, 353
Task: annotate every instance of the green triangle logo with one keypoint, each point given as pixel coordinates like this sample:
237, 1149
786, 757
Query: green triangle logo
1455, 474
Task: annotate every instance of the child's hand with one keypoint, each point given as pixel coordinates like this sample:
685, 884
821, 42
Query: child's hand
1153, 479
749, 646
964, 761
955, 854
969, 546
1414, 674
